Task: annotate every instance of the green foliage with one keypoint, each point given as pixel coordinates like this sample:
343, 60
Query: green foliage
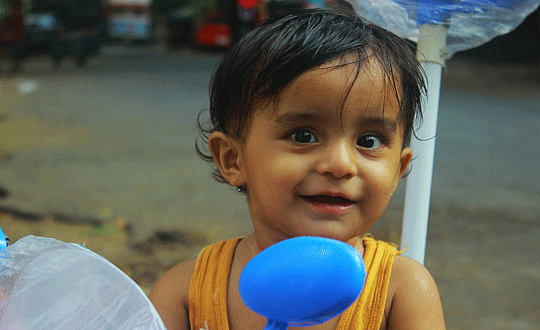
158, 6
71, 5
5, 7
166, 6
199, 6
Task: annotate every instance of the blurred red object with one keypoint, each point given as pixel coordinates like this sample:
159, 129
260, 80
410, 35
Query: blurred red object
248, 3
214, 33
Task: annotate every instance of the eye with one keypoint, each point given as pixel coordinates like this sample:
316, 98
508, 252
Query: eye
303, 136
369, 141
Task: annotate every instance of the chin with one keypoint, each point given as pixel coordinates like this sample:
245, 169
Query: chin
333, 233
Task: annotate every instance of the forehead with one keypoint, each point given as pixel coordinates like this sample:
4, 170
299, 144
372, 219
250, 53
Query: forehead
342, 88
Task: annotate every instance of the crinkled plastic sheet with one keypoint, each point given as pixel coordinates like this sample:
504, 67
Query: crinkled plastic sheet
52, 285
471, 23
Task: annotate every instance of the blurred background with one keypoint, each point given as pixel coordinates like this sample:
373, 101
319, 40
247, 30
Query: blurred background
99, 102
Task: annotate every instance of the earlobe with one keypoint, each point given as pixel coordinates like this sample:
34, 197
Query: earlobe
226, 153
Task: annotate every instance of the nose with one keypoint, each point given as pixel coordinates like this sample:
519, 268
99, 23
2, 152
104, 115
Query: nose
338, 160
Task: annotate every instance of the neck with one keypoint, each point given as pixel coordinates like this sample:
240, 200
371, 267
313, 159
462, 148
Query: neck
253, 245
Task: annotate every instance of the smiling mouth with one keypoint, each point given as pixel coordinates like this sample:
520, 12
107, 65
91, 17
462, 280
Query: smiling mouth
329, 200
333, 206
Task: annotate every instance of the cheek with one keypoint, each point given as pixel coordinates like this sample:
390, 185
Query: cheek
383, 178
381, 187
268, 168
285, 171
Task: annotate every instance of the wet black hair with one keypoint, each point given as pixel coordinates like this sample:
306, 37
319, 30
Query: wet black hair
272, 55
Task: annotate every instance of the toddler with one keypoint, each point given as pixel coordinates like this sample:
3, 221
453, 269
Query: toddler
311, 116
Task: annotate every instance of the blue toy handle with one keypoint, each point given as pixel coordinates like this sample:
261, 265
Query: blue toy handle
3, 240
276, 325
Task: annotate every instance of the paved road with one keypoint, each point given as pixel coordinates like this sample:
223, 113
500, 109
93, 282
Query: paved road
117, 140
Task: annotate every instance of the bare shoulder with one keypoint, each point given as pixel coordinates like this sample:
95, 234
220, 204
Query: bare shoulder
170, 296
416, 303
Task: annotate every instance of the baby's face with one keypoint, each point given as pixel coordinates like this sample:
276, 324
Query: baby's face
314, 165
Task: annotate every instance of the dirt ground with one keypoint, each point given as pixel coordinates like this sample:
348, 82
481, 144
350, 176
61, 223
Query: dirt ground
489, 276
485, 262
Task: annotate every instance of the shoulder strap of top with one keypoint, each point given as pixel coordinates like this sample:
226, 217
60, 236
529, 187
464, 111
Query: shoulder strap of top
207, 295
367, 311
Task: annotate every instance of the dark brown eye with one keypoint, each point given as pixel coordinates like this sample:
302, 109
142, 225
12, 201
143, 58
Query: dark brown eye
303, 136
369, 141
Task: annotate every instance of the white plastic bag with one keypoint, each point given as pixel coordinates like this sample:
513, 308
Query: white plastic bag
471, 23
47, 284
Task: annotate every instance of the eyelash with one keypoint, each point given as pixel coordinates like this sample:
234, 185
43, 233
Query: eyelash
292, 133
381, 139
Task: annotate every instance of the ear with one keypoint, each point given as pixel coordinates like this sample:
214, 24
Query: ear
226, 153
405, 161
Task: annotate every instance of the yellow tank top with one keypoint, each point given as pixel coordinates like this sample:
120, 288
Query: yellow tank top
208, 287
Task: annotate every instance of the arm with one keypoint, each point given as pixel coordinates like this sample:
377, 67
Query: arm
416, 303
170, 296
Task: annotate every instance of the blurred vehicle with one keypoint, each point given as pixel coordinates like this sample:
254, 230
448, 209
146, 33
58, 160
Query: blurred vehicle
180, 26
42, 30
46, 33
75, 44
215, 32
129, 20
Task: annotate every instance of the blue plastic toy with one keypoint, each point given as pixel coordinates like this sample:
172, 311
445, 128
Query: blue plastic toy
302, 281
3, 240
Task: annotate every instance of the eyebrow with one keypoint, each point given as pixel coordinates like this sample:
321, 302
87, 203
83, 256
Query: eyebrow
297, 117
290, 118
386, 124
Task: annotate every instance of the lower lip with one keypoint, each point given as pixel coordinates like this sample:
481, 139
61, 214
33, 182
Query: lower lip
331, 209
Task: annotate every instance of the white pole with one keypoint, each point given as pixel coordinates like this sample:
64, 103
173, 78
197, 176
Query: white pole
431, 52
